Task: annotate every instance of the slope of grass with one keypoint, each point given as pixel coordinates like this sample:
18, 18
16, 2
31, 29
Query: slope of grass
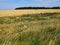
30, 29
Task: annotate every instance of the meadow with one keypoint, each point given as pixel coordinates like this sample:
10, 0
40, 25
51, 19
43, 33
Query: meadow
30, 29
27, 11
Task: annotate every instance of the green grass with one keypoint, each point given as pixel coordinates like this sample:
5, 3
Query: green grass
30, 29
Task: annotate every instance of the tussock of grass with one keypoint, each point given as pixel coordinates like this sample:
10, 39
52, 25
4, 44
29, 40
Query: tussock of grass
31, 29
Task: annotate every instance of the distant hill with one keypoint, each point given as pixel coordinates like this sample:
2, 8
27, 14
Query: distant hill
37, 8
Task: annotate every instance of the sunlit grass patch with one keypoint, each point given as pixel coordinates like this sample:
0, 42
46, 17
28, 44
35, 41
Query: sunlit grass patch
30, 29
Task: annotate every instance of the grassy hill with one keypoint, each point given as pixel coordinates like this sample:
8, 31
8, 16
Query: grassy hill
26, 11
30, 29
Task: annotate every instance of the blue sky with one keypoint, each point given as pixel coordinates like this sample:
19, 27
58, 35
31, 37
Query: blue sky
12, 4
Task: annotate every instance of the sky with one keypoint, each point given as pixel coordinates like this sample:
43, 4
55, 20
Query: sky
12, 4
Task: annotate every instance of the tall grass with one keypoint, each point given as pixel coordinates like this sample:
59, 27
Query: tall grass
31, 29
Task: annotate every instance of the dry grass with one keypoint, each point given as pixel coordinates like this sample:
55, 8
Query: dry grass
30, 29
20, 12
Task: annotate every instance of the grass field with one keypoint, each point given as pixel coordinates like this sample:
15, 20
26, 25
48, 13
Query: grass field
21, 12
30, 29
